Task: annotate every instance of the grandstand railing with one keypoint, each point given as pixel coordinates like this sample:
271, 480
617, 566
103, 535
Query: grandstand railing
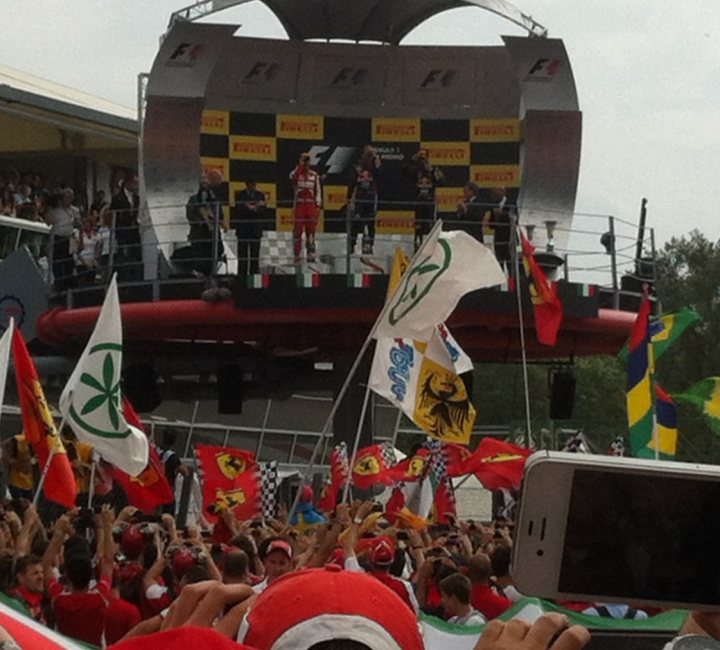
602, 250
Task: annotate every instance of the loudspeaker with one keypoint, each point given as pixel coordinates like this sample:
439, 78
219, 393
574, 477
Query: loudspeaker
230, 389
562, 394
140, 386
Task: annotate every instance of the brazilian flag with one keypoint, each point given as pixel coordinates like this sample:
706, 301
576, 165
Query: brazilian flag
666, 329
705, 395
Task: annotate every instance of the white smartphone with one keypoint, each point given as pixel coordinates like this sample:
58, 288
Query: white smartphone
607, 529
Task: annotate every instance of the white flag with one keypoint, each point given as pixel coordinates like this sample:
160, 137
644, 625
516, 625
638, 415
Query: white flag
5, 345
421, 380
91, 401
447, 266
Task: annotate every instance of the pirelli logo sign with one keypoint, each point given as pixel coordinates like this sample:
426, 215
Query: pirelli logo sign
284, 220
447, 198
496, 175
400, 222
249, 147
335, 197
395, 129
300, 127
495, 130
215, 123
448, 153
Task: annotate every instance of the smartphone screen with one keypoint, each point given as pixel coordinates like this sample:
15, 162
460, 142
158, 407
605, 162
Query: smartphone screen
642, 537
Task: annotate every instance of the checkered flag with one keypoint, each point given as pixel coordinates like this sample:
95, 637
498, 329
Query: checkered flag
444, 499
617, 448
576, 445
268, 488
388, 454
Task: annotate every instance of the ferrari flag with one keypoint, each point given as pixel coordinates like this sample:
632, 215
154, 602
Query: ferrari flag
91, 399
230, 480
39, 429
547, 308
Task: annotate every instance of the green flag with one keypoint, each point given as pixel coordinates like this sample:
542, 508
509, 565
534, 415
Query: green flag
705, 395
666, 329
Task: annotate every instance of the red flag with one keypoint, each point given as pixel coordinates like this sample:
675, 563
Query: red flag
339, 472
408, 470
150, 488
39, 428
230, 480
498, 464
457, 458
546, 305
371, 466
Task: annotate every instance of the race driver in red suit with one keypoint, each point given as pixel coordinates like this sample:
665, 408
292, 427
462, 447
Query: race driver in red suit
307, 201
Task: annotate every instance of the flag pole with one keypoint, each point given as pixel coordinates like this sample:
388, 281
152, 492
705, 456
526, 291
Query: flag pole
526, 383
41, 482
45, 470
190, 430
353, 370
356, 443
91, 487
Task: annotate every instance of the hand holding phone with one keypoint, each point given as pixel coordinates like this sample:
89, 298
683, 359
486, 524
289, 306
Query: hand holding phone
607, 529
549, 632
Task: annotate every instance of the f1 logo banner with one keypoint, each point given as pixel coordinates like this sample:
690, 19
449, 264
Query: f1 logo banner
544, 69
186, 55
261, 72
348, 76
438, 78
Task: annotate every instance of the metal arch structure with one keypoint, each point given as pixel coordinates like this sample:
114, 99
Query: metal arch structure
366, 20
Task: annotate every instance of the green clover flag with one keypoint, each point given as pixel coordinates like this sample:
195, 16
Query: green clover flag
91, 402
446, 267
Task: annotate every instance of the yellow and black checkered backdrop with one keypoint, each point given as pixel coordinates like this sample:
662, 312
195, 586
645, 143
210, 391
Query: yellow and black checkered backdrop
266, 147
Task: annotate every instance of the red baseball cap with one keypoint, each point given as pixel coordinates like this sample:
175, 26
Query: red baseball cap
329, 604
279, 545
183, 637
383, 553
132, 542
182, 561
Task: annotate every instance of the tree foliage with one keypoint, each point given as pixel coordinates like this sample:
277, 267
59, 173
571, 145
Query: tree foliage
689, 275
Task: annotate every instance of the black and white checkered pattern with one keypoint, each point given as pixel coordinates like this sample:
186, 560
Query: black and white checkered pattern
277, 256
268, 489
617, 448
388, 454
576, 445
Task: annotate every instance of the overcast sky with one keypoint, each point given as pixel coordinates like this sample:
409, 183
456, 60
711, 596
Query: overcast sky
648, 77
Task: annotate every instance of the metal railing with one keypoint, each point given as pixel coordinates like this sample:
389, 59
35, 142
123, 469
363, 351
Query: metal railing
593, 249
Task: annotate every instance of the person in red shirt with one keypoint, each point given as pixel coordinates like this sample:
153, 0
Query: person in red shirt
483, 598
307, 201
79, 608
30, 588
381, 557
121, 616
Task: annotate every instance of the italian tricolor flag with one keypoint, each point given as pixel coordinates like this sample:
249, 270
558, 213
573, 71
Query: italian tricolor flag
359, 281
258, 281
308, 280
439, 635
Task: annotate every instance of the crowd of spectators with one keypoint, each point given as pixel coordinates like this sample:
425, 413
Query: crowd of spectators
107, 577
101, 577
82, 235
